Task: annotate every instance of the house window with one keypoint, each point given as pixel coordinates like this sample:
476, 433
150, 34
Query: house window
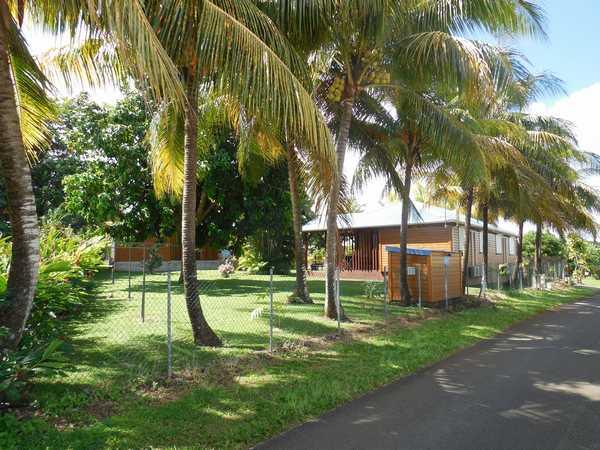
480, 242
512, 246
461, 238
498, 245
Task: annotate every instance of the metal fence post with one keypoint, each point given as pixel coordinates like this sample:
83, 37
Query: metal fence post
169, 329
337, 299
385, 295
498, 277
271, 310
509, 277
419, 283
143, 306
520, 274
483, 279
129, 274
446, 285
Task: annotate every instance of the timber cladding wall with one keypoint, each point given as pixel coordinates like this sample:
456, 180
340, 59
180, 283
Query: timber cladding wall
432, 272
430, 237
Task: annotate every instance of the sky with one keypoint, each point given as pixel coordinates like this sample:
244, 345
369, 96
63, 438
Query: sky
570, 52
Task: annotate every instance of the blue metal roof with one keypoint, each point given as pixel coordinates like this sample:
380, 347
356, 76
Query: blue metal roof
409, 251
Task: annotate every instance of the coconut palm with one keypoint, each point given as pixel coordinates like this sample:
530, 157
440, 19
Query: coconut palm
422, 39
25, 108
228, 47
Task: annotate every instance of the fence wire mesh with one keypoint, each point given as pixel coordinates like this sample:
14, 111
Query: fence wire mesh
139, 327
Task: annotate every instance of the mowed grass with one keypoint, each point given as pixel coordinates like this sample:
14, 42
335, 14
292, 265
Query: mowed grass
128, 337
266, 395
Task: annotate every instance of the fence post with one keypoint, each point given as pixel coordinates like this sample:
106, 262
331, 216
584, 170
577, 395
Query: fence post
271, 310
498, 277
483, 280
520, 274
337, 299
385, 295
446, 283
143, 309
418, 266
509, 277
169, 329
129, 274
113, 259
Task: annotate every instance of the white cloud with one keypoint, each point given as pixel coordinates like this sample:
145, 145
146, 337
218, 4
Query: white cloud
582, 108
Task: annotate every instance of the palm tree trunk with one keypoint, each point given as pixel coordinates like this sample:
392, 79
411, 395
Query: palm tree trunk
23, 272
469, 208
537, 257
203, 334
404, 290
332, 210
485, 212
300, 293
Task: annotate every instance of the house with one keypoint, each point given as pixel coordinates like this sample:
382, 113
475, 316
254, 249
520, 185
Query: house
364, 236
131, 256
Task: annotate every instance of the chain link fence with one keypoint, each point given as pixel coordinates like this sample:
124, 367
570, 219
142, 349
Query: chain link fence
141, 329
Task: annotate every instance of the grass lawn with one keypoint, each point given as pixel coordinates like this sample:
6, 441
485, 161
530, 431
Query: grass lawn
241, 396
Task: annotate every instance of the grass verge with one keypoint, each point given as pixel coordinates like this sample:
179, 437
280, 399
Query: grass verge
239, 403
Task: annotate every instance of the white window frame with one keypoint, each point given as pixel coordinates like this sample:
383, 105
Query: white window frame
480, 234
499, 249
512, 246
461, 238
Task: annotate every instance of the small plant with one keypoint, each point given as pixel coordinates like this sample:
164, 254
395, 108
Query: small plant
250, 261
227, 268
503, 270
278, 309
18, 368
373, 290
153, 259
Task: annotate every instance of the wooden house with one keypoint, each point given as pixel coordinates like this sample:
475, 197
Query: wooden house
364, 237
131, 256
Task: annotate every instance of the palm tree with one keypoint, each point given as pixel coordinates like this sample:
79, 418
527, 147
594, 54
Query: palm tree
223, 46
25, 108
422, 39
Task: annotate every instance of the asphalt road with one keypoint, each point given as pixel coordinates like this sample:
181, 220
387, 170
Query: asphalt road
537, 386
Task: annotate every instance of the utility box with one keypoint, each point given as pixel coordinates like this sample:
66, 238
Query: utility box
428, 268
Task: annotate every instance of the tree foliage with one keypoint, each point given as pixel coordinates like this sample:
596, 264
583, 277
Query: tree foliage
552, 245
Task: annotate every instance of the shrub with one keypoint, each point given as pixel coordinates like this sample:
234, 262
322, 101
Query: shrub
153, 258
373, 290
18, 368
64, 288
250, 261
226, 269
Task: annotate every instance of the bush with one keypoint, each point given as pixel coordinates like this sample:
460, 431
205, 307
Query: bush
64, 288
250, 261
18, 368
226, 269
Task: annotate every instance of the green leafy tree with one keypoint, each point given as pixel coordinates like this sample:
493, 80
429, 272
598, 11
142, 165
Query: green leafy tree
551, 245
114, 192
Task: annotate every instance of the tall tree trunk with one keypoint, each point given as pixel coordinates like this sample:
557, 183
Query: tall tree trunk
469, 210
404, 290
537, 257
25, 257
300, 293
332, 209
520, 250
485, 212
203, 334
